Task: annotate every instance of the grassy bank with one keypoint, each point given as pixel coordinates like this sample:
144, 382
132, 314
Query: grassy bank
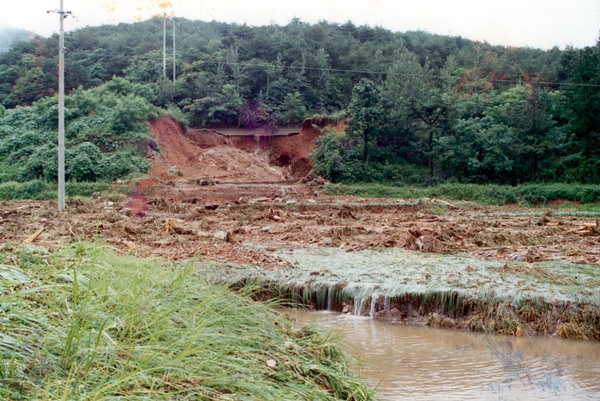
451, 291
84, 323
528, 194
42, 190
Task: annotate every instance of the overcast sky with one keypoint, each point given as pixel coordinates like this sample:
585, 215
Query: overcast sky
533, 23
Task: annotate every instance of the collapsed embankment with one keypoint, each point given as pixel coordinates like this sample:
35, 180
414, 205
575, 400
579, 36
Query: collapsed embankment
234, 154
447, 291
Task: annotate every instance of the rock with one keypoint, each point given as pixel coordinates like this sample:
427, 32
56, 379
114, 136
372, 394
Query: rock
211, 206
242, 200
259, 200
266, 229
222, 236
203, 182
396, 315
97, 195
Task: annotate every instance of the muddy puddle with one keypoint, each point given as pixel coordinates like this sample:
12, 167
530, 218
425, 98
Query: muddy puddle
421, 363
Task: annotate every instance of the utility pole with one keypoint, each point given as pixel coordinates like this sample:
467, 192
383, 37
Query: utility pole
61, 106
174, 56
165, 45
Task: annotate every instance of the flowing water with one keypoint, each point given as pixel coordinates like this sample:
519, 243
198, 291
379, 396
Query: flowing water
420, 363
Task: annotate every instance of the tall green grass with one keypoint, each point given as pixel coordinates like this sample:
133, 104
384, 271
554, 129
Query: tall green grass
527, 194
41, 190
86, 324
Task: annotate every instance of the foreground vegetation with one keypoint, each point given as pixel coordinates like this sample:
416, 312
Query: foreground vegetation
84, 323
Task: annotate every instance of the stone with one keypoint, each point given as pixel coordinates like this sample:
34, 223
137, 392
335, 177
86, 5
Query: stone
204, 182
222, 236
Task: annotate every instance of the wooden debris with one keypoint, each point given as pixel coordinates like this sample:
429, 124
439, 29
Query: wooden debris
586, 229
34, 236
450, 205
596, 230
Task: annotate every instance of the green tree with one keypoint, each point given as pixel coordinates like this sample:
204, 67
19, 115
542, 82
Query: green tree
219, 110
582, 111
328, 159
364, 114
418, 105
292, 110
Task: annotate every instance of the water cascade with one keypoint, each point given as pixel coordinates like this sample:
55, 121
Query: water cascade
440, 290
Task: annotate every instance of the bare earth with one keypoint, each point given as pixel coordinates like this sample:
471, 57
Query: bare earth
208, 195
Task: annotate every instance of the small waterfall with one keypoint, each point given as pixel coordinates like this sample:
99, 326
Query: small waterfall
330, 298
374, 299
359, 303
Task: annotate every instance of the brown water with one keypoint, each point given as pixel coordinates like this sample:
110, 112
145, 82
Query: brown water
420, 363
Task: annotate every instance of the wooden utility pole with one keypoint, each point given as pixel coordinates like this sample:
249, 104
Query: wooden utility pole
61, 106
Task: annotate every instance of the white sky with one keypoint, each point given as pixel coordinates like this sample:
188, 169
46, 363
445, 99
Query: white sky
533, 23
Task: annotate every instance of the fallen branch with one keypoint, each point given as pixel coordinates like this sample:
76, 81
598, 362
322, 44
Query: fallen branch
450, 205
34, 236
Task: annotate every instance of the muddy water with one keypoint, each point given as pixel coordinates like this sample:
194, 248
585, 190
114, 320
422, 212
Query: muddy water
421, 363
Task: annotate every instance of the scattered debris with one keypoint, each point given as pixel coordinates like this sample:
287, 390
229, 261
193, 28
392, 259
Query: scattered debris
34, 236
222, 236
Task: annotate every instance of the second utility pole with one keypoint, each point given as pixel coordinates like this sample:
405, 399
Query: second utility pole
174, 54
165, 45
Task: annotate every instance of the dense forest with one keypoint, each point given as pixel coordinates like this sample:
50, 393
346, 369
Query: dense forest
419, 107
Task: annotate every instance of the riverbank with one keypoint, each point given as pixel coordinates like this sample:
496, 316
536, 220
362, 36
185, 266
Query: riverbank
451, 291
84, 323
500, 269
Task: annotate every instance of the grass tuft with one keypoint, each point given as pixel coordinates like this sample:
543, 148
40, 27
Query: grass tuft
84, 323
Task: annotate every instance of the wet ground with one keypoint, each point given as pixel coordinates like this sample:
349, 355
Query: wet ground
247, 201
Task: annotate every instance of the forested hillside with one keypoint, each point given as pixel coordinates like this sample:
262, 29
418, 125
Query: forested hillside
421, 108
9, 35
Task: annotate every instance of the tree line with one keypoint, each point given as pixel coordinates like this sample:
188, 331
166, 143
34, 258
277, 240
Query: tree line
420, 107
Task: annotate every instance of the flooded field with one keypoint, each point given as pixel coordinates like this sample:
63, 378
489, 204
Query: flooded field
421, 363
438, 290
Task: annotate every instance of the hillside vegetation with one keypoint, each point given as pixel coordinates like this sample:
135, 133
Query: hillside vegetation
421, 108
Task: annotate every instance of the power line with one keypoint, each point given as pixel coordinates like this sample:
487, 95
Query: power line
370, 72
267, 65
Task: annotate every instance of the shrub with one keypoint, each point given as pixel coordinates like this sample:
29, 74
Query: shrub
43, 164
84, 163
122, 164
35, 189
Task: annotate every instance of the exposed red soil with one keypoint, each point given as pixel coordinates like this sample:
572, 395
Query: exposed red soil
203, 183
237, 199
